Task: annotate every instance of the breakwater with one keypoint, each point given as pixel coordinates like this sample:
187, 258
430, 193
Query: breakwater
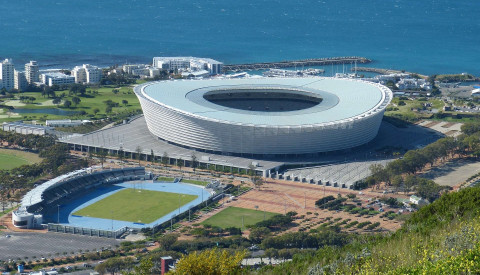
297, 63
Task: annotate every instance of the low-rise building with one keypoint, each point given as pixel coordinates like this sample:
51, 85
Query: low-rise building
65, 122
418, 200
55, 78
26, 129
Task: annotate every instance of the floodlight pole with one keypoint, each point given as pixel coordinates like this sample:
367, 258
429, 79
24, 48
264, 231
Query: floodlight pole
112, 219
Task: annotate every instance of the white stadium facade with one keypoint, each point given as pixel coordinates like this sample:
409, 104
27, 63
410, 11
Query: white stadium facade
264, 116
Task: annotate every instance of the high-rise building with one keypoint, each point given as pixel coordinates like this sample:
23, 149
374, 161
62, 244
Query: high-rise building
20, 81
7, 74
32, 72
87, 74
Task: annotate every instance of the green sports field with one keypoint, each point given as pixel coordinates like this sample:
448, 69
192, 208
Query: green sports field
10, 159
232, 216
142, 206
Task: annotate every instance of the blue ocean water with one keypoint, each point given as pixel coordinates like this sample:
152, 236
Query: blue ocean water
428, 36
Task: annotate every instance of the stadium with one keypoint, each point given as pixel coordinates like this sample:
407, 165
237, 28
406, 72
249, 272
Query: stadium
105, 203
264, 116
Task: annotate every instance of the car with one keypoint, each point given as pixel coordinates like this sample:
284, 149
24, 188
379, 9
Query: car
53, 269
7, 236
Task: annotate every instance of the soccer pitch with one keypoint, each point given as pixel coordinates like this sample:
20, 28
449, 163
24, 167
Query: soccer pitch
141, 206
232, 217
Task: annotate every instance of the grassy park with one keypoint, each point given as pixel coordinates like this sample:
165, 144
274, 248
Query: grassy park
91, 106
233, 216
142, 206
196, 182
10, 159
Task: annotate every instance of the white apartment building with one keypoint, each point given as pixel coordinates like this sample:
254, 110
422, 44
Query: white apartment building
87, 74
32, 73
7, 77
20, 81
128, 68
185, 63
51, 79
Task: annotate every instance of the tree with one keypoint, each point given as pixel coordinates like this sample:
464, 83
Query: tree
102, 155
67, 103
165, 159
108, 109
121, 154
145, 267
115, 91
95, 111
56, 101
166, 241
258, 234
124, 102
76, 100
152, 156
194, 161
210, 262
256, 180
138, 150
180, 163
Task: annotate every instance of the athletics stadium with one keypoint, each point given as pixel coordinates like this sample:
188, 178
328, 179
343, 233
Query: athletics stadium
105, 203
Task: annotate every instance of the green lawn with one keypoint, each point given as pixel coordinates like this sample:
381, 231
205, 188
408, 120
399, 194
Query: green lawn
232, 216
142, 206
10, 159
88, 103
197, 182
165, 179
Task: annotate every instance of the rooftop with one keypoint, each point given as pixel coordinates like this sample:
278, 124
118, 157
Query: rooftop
343, 99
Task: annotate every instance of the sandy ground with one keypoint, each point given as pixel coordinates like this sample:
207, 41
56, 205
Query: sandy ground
14, 103
447, 128
47, 103
453, 173
284, 196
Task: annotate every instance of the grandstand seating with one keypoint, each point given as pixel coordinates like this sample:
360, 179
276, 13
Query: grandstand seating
70, 188
342, 175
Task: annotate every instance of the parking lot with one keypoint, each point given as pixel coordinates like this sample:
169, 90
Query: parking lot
21, 245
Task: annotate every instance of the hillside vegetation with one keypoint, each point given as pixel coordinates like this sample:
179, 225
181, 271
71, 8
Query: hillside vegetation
441, 238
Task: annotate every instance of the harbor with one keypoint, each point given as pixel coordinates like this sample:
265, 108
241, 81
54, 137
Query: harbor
296, 63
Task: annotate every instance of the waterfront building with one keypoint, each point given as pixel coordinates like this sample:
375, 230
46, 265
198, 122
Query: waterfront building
128, 68
51, 79
186, 63
154, 72
7, 77
32, 73
141, 72
87, 74
20, 81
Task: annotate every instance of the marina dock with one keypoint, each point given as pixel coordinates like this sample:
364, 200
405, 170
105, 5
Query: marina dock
296, 63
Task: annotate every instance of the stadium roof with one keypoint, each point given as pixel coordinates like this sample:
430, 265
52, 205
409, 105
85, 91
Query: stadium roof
34, 196
343, 99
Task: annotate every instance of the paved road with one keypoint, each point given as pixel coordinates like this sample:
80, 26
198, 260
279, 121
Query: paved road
21, 245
